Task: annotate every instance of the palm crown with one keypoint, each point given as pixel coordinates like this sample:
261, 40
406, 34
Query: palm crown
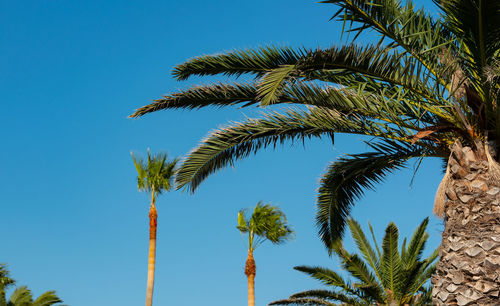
267, 222
155, 175
383, 277
423, 84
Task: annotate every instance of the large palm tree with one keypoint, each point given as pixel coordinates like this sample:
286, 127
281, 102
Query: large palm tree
267, 222
155, 175
22, 296
427, 87
383, 275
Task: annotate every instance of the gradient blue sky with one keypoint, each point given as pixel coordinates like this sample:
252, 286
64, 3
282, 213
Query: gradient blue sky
72, 219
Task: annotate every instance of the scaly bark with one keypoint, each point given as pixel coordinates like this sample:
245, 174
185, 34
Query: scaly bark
468, 271
250, 270
153, 215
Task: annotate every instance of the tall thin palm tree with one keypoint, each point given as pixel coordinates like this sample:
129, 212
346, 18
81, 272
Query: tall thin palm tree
428, 86
267, 222
382, 275
155, 175
22, 296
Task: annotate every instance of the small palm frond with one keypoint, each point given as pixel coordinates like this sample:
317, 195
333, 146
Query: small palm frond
391, 260
364, 247
303, 301
326, 295
21, 296
327, 277
416, 245
47, 299
346, 179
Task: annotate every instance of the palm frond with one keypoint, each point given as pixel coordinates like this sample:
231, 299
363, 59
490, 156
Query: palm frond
47, 299
364, 247
346, 179
391, 260
303, 301
251, 61
225, 146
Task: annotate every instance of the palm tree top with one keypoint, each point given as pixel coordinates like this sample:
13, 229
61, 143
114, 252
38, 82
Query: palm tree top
425, 82
155, 173
267, 222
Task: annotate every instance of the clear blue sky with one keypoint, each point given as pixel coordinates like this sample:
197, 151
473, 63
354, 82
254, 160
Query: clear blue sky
72, 219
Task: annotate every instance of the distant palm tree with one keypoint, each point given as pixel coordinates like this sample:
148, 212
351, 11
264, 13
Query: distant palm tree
22, 296
154, 176
383, 278
266, 223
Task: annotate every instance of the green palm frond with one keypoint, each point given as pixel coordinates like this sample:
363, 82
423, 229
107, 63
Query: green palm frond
326, 276
391, 261
216, 95
225, 146
251, 61
364, 247
21, 296
346, 179
327, 295
303, 301
47, 298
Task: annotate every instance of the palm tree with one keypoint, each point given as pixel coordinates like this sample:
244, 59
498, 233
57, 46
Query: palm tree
386, 277
427, 87
267, 222
155, 176
22, 296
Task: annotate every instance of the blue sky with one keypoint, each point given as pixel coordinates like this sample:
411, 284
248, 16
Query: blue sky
72, 218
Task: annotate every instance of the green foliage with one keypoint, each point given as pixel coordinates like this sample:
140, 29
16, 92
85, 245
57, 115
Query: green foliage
155, 175
382, 277
267, 222
22, 296
423, 83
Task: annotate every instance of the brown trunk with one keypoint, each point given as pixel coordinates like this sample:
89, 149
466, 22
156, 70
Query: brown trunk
468, 271
250, 270
153, 215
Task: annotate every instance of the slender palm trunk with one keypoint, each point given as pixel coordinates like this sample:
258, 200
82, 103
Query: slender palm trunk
468, 271
250, 270
153, 215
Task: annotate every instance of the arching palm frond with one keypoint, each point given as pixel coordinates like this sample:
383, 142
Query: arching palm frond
382, 277
225, 146
346, 179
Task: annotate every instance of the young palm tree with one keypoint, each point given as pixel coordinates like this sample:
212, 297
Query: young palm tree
427, 87
22, 295
266, 223
385, 277
155, 176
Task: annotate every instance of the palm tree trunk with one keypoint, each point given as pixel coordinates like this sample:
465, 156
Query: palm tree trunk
153, 215
250, 270
468, 268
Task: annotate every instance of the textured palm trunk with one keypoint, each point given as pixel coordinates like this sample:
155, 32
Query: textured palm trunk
153, 215
468, 271
250, 270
